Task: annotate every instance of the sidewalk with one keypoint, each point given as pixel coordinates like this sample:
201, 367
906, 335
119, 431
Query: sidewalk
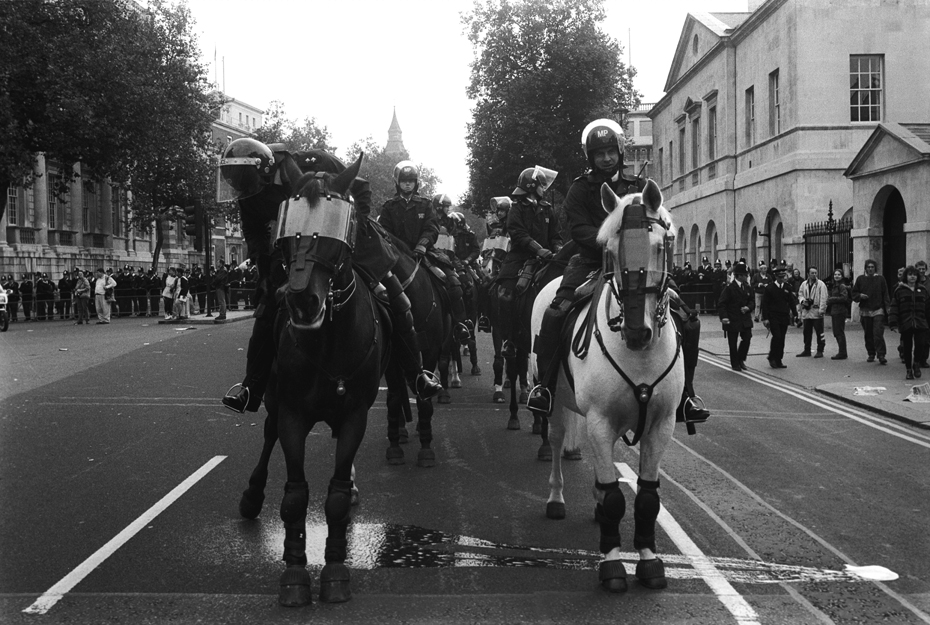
838, 379
199, 320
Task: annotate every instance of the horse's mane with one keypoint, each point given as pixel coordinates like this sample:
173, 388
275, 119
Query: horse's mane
614, 220
305, 188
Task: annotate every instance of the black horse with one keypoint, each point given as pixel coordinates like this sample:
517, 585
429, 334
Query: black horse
432, 317
332, 338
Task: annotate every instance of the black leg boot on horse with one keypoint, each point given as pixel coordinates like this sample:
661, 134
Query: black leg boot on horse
423, 383
259, 359
547, 352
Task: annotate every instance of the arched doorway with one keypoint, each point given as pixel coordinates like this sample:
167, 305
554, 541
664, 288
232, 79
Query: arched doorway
712, 241
894, 241
680, 244
774, 233
695, 247
749, 237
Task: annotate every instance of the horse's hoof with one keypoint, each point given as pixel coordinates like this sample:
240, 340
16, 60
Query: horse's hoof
572, 454
334, 583
524, 395
250, 505
475, 370
555, 510
651, 574
506, 383
295, 587
612, 575
498, 397
426, 458
444, 397
513, 424
354, 500
456, 383
402, 436
395, 455
544, 453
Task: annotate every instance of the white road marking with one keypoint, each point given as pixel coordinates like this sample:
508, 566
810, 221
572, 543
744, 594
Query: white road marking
878, 423
726, 594
54, 594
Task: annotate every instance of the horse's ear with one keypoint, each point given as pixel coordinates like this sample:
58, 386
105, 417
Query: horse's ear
652, 197
344, 180
609, 199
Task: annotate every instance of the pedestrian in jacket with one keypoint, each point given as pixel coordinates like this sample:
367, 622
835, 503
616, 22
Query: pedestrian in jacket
778, 302
872, 294
812, 306
838, 308
909, 312
735, 308
103, 296
81, 297
218, 282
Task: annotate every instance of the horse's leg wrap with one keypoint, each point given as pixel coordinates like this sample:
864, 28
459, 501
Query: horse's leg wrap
609, 515
645, 512
294, 514
337, 508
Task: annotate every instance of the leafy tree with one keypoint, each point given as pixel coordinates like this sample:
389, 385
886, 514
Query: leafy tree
277, 128
114, 87
542, 70
378, 170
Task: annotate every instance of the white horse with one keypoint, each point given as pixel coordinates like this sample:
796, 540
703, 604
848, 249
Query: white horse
631, 378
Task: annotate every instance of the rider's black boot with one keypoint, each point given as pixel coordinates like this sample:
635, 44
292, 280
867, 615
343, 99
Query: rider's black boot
505, 314
407, 349
691, 408
461, 332
258, 363
547, 364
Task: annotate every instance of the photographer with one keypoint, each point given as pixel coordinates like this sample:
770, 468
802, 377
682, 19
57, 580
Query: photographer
812, 298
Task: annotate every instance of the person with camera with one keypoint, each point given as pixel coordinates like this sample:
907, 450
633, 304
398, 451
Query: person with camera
813, 296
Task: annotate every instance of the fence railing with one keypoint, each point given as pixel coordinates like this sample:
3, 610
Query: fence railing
828, 244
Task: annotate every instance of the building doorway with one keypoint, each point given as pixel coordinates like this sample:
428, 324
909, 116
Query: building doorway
894, 241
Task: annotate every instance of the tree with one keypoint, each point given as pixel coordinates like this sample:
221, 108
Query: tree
378, 170
114, 87
277, 128
542, 70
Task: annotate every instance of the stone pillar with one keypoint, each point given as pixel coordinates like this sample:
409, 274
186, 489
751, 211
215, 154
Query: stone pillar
40, 200
76, 206
106, 219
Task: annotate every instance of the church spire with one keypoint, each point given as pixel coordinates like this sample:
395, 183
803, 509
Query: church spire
395, 143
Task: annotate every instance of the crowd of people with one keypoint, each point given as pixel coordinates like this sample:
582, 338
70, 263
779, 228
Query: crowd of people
176, 293
780, 297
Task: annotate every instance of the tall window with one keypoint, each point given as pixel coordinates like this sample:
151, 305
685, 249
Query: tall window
116, 211
661, 165
774, 105
682, 165
695, 143
645, 128
52, 195
712, 133
90, 204
671, 163
865, 88
751, 116
12, 205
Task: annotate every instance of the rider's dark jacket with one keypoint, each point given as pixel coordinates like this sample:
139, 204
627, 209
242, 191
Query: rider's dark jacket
412, 221
585, 212
466, 245
532, 227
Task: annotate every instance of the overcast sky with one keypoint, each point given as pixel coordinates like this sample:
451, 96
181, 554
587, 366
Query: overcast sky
348, 64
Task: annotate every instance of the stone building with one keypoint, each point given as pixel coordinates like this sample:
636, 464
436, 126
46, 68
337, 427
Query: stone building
90, 226
773, 115
395, 144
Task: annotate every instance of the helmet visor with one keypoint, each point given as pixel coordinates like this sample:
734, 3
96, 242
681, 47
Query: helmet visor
237, 178
544, 178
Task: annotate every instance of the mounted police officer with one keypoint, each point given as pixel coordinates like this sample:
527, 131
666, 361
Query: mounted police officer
260, 177
413, 219
602, 143
534, 234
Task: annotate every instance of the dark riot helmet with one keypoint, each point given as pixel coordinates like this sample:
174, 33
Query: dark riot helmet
406, 171
534, 179
601, 133
245, 168
442, 203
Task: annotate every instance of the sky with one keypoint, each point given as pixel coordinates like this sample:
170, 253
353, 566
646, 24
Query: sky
351, 64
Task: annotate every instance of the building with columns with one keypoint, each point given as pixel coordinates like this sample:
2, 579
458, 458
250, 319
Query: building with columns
774, 115
90, 226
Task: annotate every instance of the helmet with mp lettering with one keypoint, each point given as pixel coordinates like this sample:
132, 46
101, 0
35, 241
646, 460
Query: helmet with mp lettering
245, 168
406, 171
601, 133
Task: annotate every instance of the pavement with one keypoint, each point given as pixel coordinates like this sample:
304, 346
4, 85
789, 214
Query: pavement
232, 316
872, 386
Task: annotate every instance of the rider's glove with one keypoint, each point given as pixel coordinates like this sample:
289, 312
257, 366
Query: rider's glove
419, 251
543, 253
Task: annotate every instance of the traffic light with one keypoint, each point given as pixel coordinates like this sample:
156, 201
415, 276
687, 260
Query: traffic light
193, 224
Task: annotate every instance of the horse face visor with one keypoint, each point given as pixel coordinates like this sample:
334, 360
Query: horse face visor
331, 217
641, 258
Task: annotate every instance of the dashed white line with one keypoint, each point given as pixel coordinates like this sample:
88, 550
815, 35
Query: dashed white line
54, 594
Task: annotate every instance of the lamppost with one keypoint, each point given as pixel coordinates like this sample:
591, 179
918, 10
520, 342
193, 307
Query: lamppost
831, 229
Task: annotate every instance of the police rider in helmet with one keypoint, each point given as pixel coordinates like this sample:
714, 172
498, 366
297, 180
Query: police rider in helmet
414, 220
602, 143
259, 177
534, 234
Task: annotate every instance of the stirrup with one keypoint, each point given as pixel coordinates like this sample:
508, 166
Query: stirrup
432, 386
484, 324
540, 400
461, 333
701, 414
233, 401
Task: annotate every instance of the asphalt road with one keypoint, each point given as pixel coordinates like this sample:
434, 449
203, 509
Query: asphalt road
120, 475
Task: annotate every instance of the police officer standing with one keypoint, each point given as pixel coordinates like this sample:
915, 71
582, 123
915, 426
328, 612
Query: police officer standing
735, 310
65, 288
778, 301
45, 297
